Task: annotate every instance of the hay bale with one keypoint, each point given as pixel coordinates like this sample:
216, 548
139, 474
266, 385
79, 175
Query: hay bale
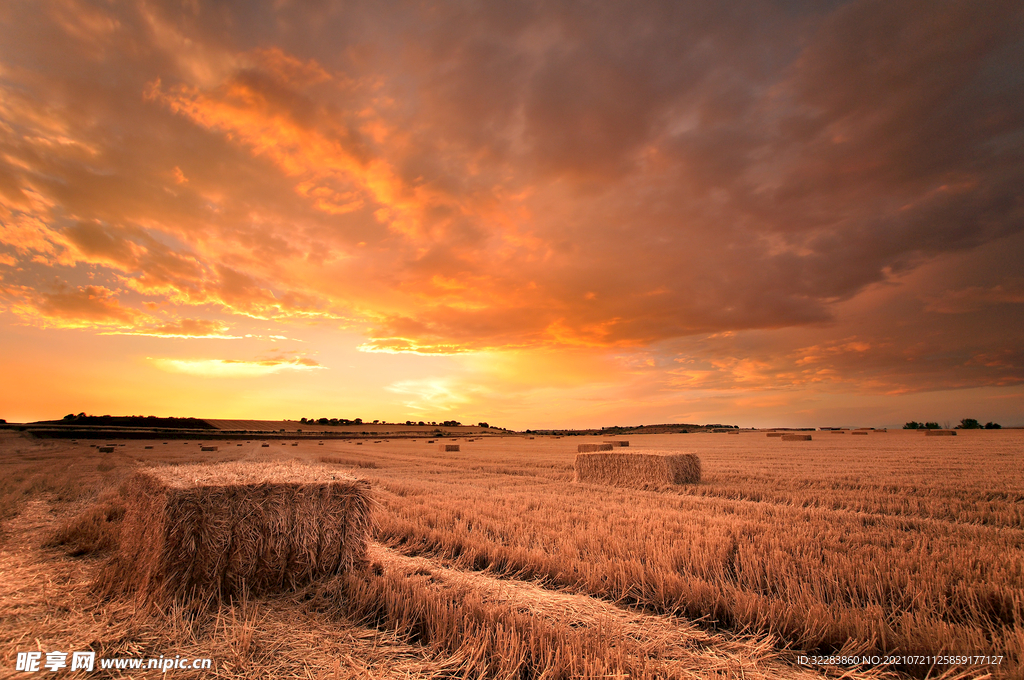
586, 448
265, 445
207, 448
733, 432
838, 431
206, 533
147, 447
859, 432
940, 433
618, 442
448, 447
430, 441
295, 443
796, 437
105, 449
637, 470
775, 434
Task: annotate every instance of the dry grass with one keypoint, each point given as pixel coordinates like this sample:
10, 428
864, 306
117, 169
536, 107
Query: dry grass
349, 462
637, 470
888, 543
211, 532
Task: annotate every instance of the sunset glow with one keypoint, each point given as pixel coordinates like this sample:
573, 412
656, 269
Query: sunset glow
536, 215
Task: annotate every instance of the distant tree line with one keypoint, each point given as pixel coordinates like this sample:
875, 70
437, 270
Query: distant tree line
332, 421
359, 421
965, 424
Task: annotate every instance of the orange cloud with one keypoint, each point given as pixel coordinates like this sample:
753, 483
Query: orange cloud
80, 307
233, 368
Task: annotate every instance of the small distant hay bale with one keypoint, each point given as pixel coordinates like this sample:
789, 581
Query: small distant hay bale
796, 437
295, 443
148, 447
859, 432
775, 434
838, 431
940, 433
265, 445
198, 534
637, 470
617, 442
359, 443
448, 447
207, 448
237, 444
105, 449
733, 432
430, 441
587, 448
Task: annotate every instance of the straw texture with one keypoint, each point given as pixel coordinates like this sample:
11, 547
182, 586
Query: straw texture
211, 532
638, 470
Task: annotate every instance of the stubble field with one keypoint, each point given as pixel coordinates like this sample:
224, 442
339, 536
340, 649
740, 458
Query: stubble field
491, 562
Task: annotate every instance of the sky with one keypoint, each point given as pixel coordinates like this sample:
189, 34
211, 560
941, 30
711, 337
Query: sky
535, 214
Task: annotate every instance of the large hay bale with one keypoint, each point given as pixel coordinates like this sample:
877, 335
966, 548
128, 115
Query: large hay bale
940, 433
637, 470
796, 437
448, 447
586, 448
617, 442
203, 533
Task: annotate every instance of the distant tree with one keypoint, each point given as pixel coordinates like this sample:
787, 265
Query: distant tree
302, 420
913, 425
375, 422
358, 421
993, 426
968, 424
70, 416
932, 426
482, 425
323, 421
420, 423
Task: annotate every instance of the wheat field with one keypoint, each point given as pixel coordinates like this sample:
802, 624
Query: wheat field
491, 562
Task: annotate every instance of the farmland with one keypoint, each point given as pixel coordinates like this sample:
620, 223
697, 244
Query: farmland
489, 561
